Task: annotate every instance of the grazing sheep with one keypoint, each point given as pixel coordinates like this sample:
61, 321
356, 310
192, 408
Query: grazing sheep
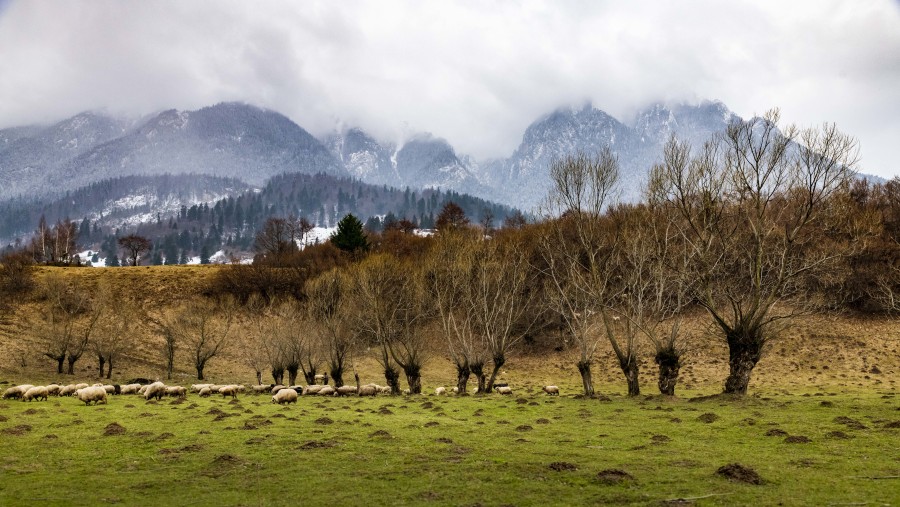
345, 391
110, 389
68, 390
367, 390
440, 391
277, 388
195, 388
384, 389
504, 390
53, 389
326, 391
178, 391
80, 386
36, 392
551, 390
312, 389
155, 390
130, 389
285, 396
229, 391
406, 392
260, 389
205, 392
323, 377
13, 393
91, 394
455, 390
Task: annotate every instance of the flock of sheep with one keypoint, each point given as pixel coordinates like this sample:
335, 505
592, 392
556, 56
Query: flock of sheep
98, 393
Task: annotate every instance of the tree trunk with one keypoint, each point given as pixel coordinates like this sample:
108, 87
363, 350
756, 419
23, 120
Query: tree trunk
102, 361
414, 379
629, 366
587, 380
462, 378
499, 361
277, 376
744, 351
669, 361
59, 364
108, 367
200, 367
392, 377
71, 360
258, 378
478, 370
310, 376
337, 374
292, 375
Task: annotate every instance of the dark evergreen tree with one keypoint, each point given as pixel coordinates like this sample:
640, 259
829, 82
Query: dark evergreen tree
350, 236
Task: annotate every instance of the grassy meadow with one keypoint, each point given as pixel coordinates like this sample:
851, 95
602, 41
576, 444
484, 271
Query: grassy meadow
820, 427
527, 449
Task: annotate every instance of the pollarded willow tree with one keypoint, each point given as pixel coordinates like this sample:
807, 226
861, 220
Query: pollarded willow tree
754, 207
328, 310
446, 283
205, 328
386, 309
576, 247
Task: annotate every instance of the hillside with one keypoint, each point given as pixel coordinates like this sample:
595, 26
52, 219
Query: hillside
821, 352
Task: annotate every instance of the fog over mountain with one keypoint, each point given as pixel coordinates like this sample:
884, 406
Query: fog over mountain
251, 144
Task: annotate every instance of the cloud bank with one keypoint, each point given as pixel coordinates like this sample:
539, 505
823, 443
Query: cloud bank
475, 73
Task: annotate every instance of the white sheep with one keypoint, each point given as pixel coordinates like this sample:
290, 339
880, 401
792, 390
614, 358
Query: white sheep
345, 391
262, 388
178, 391
155, 390
110, 389
326, 391
91, 394
504, 390
322, 377
455, 390
80, 386
130, 389
367, 390
14, 393
440, 391
384, 389
53, 389
68, 390
277, 388
36, 392
195, 388
205, 392
551, 390
285, 396
229, 391
312, 389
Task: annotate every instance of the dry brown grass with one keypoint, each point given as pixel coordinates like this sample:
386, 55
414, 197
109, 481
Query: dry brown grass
837, 352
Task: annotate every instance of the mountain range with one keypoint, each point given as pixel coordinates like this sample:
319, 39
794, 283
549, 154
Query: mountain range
252, 145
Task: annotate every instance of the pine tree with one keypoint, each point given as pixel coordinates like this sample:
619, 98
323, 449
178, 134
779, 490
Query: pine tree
350, 236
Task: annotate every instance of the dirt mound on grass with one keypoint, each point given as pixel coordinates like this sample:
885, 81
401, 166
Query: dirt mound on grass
838, 435
775, 432
380, 434
708, 417
853, 424
797, 439
893, 424
18, 430
113, 429
562, 466
3, 418
317, 444
324, 420
739, 473
613, 476
163, 436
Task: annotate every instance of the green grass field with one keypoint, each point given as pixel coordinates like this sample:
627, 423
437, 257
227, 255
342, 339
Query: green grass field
527, 449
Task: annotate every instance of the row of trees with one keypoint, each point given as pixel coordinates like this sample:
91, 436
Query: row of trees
752, 228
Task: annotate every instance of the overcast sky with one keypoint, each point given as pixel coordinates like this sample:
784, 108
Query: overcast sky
476, 73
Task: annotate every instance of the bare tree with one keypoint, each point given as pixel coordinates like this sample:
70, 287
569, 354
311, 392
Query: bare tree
68, 321
500, 298
383, 304
134, 246
752, 204
113, 333
446, 277
576, 246
328, 311
205, 328
167, 326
